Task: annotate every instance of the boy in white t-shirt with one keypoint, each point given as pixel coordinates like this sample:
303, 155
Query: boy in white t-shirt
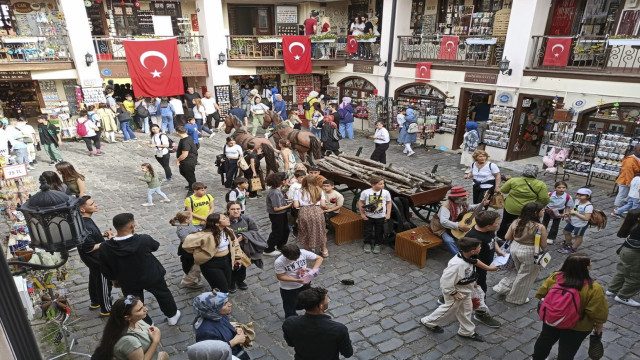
375, 210
633, 201
287, 267
578, 222
239, 192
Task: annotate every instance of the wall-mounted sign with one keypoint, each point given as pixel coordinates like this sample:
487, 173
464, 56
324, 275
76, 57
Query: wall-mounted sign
22, 7
482, 78
526, 103
578, 103
504, 98
269, 70
119, 69
366, 69
286, 14
15, 75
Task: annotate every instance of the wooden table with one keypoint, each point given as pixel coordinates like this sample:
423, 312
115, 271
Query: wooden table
413, 251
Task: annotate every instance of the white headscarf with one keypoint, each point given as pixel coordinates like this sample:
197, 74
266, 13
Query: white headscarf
313, 94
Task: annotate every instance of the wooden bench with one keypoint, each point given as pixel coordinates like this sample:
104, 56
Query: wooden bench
349, 226
413, 251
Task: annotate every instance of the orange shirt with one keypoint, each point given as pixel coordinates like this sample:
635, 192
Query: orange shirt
630, 166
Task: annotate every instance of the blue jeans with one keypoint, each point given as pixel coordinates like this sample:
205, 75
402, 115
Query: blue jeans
316, 132
145, 125
348, 128
157, 191
632, 204
22, 156
623, 193
126, 131
202, 128
449, 243
167, 122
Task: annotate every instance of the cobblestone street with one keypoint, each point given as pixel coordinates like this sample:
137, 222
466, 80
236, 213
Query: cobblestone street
383, 308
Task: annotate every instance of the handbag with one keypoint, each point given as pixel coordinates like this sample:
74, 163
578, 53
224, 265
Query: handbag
38, 147
497, 201
256, 185
242, 164
244, 259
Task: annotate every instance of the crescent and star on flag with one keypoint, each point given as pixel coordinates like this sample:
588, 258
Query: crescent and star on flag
294, 44
153, 53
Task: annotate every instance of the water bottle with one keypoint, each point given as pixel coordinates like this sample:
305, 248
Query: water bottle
309, 275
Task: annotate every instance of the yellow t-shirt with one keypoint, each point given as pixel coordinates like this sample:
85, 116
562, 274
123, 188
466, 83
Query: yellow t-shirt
129, 105
199, 206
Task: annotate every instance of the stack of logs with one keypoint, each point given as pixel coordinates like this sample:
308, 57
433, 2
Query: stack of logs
396, 179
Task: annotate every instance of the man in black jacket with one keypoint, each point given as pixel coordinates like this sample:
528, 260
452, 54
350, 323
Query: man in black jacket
128, 261
314, 335
89, 251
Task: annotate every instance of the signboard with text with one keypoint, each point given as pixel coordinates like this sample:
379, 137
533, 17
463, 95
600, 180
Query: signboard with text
482, 78
15, 75
14, 171
366, 69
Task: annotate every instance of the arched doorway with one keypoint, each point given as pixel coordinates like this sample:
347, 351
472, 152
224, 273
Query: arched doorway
623, 119
425, 99
355, 87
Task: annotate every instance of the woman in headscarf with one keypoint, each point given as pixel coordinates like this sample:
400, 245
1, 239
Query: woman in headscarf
469, 143
521, 190
330, 135
630, 167
346, 118
212, 321
405, 137
280, 107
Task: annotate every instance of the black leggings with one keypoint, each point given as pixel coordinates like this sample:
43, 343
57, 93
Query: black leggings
164, 162
555, 224
570, 341
380, 153
279, 232
231, 169
507, 219
161, 292
217, 272
95, 139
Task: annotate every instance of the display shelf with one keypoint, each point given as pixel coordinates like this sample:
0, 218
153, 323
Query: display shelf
582, 153
223, 98
481, 23
499, 130
449, 120
284, 30
561, 134
610, 151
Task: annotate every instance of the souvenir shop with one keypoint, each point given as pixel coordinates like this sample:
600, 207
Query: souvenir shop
535, 116
364, 100
469, 99
432, 109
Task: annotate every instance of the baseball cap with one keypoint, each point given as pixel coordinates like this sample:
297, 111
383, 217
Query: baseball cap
584, 191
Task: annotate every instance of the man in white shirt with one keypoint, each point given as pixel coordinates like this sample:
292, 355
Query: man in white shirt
29, 138
211, 109
177, 107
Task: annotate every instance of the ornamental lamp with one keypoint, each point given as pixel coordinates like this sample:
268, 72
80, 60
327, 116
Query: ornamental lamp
88, 58
504, 66
221, 58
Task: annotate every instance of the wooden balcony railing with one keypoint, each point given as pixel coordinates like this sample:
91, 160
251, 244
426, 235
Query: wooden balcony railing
17, 48
598, 54
111, 48
471, 50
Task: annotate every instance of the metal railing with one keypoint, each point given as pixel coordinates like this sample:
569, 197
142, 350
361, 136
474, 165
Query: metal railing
591, 54
471, 50
111, 48
261, 47
17, 48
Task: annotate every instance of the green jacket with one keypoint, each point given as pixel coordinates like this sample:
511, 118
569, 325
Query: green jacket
152, 181
520, 194
593, 303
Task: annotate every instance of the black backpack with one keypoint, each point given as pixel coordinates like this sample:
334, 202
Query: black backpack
226, 196
306, 106
142, 111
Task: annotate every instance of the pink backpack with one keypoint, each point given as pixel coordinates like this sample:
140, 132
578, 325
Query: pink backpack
561, 307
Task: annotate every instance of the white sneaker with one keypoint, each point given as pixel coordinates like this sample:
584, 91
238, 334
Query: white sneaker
273, 253
629, 302
411, 153
212, 135
165, 200
174, 320
609, 293
549, 241
404, 151
147, 204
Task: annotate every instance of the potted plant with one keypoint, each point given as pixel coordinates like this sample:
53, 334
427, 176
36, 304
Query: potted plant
233, 54
239, 45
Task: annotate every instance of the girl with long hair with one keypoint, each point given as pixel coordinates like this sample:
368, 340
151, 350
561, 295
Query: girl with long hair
286, 157
216, 250
310, 200
125, 330
315, 126
246, 230
594, 309
161, 144
184, 227
625, 283
153, 184
73, 179
200, 114
523, 233
54, 182
252, 157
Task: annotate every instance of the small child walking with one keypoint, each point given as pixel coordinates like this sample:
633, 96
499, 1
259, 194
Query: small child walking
560, 203
633, 201
192, 275
153, 184
457, 283
578, 222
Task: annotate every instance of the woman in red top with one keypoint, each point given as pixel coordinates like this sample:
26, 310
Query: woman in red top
326, 28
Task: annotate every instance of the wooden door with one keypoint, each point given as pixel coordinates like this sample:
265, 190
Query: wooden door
264, 21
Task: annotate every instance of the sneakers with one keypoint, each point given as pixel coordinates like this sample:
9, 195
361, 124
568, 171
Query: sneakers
94, 306
147, 204
232, 288
568, 250
485, 318
30, 167
367, 248
474, 337
410, 153
272, 253
165, 200
376, 249
404, 151
99, 153
104, 314
550, 241
609, 293
174, 319
441, 299
613, 213
166, 180
435, 329
212, 135
242, 285
629, 302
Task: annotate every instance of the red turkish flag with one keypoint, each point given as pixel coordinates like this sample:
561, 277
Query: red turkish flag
557, 52
296, 51
448, 48
352, 44
154, 67
423, 72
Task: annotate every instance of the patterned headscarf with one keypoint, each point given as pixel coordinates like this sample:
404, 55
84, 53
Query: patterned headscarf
345, 101
530, 171
208, 306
